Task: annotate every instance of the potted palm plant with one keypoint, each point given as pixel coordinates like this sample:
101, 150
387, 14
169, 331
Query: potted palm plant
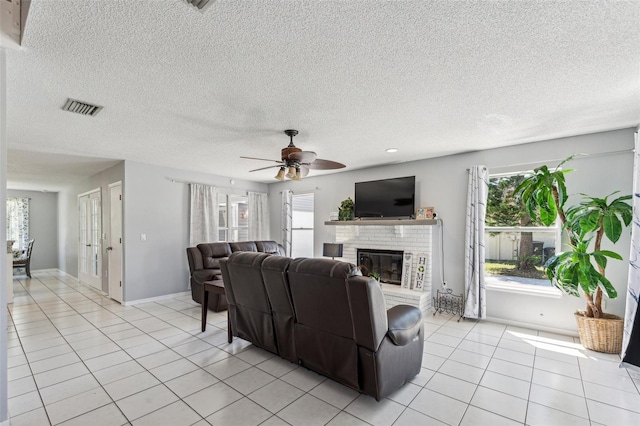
580, 269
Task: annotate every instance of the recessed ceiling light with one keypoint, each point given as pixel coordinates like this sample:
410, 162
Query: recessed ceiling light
392, 150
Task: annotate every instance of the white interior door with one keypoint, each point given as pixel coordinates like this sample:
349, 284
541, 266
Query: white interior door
115, 242
89, 248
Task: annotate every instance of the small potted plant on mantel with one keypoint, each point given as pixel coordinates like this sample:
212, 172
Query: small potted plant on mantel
345, 211
579, 270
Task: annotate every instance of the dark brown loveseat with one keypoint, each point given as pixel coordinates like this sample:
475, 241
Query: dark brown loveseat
318, 313
204, 265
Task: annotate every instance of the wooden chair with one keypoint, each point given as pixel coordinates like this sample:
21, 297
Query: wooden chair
24, 261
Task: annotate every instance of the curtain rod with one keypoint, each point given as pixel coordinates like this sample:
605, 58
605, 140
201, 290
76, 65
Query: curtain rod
558, 160
300, 191
236, 190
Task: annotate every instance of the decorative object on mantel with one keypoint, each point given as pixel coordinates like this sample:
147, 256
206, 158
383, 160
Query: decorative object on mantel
332, 250
333, 216
446, 301
420, 271
345, 211
406, 270
424, 213
295, 163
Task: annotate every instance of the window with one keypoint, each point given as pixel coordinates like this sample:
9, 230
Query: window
18, 222
516, 246
302, 226
233, 217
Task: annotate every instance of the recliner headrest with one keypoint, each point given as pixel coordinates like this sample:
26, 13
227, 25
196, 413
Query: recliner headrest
243, 246
248, 258
324, 267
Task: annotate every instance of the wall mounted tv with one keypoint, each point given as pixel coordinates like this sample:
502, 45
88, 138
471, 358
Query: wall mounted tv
386, 198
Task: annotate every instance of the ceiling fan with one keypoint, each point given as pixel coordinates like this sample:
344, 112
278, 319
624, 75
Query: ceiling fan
295, 163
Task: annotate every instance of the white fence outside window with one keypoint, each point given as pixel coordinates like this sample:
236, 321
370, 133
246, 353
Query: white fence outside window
503, 242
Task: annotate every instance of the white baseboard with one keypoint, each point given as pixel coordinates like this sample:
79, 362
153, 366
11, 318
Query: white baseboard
154, 299
54, 270
129, 303
5, 423
572, 333
49, 270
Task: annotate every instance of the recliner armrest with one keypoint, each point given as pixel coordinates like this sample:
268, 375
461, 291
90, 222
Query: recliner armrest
404, 324
203, 275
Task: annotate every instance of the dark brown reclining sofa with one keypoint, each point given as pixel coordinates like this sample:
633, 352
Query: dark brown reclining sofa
320, 314
204, 265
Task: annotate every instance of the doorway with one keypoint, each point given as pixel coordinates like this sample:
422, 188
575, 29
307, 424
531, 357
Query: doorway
89, 241
114, 250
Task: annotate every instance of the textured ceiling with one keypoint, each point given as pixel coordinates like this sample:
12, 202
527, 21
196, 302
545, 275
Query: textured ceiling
193, 90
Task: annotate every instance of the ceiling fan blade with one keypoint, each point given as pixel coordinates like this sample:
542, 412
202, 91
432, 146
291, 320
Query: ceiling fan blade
264, 168
304, 171
320, 164
303, 156
262, 159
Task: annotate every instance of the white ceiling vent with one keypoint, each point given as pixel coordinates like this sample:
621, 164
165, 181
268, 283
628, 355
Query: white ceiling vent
81, 107
200, 4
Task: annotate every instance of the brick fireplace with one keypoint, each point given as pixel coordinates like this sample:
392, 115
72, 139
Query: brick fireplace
387, 263
403, 238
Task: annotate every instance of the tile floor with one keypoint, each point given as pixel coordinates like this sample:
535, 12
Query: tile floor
78, 358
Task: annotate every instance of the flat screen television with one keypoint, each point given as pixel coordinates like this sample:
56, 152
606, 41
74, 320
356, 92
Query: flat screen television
386, 198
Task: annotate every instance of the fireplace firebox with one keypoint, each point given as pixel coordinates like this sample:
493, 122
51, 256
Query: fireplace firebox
387, 263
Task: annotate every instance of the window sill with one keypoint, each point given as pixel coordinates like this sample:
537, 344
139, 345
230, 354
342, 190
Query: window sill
524, 289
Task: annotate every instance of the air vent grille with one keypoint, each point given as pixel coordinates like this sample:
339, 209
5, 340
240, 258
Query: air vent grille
200, 4
81, 107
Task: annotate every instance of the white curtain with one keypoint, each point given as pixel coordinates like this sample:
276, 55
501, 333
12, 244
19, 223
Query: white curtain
18, 222
287, 211
203, 223
475, 306
631, 338
258, 216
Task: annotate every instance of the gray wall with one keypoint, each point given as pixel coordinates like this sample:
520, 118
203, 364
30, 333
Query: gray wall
159, 208
43, 226
442, 182
68, 218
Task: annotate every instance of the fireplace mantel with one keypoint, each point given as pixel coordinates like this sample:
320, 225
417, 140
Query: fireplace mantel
382, 222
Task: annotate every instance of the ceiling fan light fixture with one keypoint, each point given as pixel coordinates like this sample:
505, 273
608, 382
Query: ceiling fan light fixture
392, 150
298, 176
295, 163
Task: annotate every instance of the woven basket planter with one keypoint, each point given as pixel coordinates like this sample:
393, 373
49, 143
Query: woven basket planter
601, 334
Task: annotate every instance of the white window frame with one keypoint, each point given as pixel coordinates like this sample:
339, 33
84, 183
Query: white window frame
519, 288
294, 229
13, 224
229, 218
